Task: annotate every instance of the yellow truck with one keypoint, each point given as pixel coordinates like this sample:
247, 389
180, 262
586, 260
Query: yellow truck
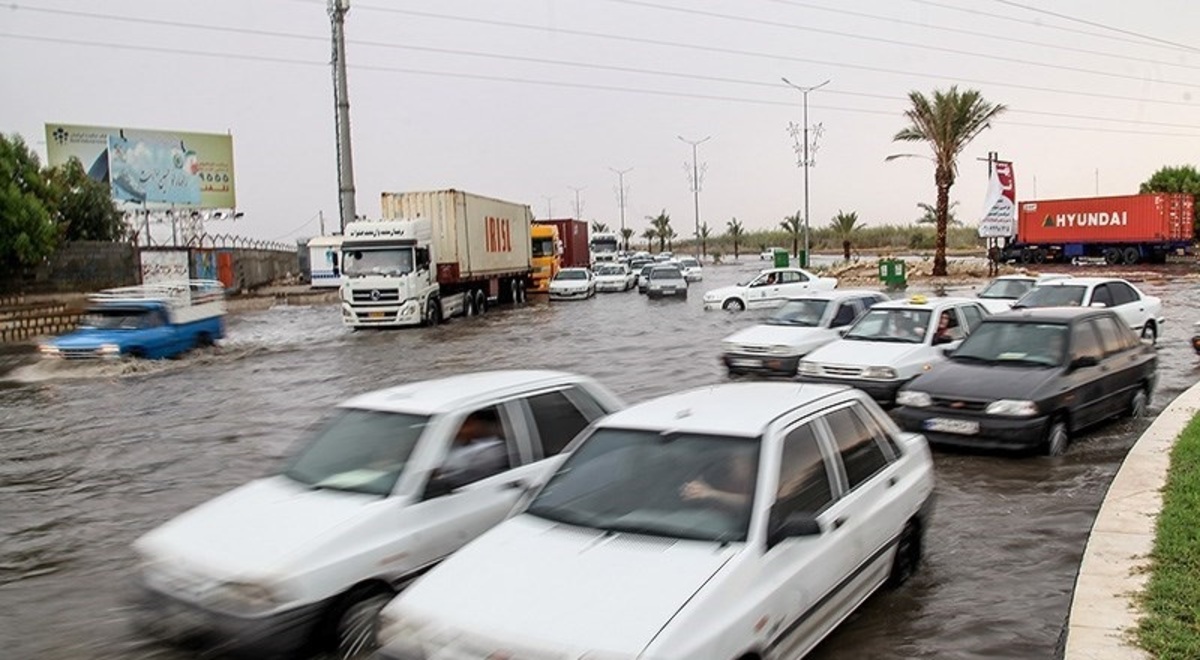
546, 259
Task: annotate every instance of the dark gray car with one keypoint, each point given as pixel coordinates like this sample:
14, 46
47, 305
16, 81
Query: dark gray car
666, 281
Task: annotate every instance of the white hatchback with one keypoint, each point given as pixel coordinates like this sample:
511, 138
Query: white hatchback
770, 288
743, 520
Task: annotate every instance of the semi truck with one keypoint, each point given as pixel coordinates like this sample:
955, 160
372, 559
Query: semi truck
1128, 229
573, 235
605, 247
547, 255
434, 255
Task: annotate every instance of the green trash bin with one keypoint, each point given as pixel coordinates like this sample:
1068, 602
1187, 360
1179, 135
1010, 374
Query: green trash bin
893, 274
781, 258
802, 259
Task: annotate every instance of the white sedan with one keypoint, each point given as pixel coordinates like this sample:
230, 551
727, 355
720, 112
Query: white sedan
614, 277
1001, 293
692, 271
573, 283
771, 288
743, 520
1141, 312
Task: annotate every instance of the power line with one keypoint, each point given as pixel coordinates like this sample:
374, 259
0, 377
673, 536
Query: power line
1008, 39
548, 83
1074, 19
893, 42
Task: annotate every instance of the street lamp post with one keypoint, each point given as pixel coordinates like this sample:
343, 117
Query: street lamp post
549, 208
578, 203
621, 199
804, 91
695, 185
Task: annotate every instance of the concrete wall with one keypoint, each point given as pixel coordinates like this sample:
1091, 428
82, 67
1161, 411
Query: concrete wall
79, 266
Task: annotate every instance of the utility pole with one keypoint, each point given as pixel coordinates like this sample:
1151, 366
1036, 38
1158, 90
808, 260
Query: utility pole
578, 204
695, 185
804, 91
341, 102
621, 199
549, 209
321, 220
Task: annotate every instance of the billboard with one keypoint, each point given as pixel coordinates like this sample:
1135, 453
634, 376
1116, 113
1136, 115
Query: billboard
1000, 206
150, 167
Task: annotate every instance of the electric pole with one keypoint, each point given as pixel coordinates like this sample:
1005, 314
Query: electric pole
621, 199
578, 204
805, 159
549, 208
341, 102
695, 186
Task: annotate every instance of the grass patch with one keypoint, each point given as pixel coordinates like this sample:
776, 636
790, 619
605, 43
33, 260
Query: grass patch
1171, 627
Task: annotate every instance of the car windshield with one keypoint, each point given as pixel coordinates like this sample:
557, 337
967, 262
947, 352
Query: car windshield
1006, 289
118, 319
610, 270
571, 275
543, 247
1034, 344
895, 325
361, 451
685, 485
666, 274
689, 263
1053, 296
377, 261
805, 313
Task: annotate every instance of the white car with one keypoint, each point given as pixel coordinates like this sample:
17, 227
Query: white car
394, 482
1000, 294
770, 288
573, 283
614, 277
797, 328
733, 521
769, 253
1141, 312
692, 271
893, 343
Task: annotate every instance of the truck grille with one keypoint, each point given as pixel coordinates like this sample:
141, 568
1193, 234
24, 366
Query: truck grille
838, 371
377, 296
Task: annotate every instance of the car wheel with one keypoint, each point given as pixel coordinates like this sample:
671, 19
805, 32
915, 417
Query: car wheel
908, 554
204, 340
734, 305
1056, 440
355, 623
1137, 405
1150, 333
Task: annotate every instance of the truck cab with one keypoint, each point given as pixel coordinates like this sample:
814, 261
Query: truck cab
547, 256
387, 274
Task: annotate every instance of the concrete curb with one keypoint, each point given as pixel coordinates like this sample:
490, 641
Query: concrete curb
1103, 611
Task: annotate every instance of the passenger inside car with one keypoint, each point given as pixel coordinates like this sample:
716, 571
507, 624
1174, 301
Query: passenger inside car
948, 329
733, 487
479, 450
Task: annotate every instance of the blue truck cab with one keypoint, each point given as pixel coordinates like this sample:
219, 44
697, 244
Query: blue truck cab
153, 321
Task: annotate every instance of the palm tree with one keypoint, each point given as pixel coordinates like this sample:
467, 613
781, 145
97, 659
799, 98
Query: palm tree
649, 234
670, 235
705, 232
735, 231
793, 225
948, 121
844, 225
662, 228
929, 214
599, 227
626, 233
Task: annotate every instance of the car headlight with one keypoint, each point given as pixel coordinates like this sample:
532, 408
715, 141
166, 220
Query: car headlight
780, 349
244, 598
729, 347
1012, 408
109, 350
880, 373
708, 297
807, 368
49, 350
913, 399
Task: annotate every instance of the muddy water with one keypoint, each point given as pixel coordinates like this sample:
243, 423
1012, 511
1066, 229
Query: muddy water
91, 456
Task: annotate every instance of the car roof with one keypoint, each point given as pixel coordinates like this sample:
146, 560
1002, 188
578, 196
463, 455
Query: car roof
837, 294
736, 409
923, 302
453, 392
568, 270
661, 266
1083, 281
1047, 314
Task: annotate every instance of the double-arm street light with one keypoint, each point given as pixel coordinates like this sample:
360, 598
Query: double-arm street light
804, 157
695, 184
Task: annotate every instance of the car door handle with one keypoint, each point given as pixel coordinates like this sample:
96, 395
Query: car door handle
516, 484
891, 481
839, 521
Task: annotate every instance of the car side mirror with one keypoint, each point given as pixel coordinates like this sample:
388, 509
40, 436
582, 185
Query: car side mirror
439, 484
794, 526
949, 350
1084, 361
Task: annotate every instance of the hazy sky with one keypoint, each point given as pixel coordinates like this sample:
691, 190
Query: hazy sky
523, 99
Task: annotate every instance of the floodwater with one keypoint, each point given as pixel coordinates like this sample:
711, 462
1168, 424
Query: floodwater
94, 455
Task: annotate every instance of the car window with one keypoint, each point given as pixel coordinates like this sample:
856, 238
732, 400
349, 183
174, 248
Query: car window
1110, 334
362, 451
1101, 295
972, 315
1084, 342
557, 419
861, 455
804, 484
845, 315
948, 329
792, 277
876, 429
870, 301
1122, 293
480, 449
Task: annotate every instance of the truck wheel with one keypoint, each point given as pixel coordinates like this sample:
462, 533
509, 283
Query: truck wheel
480, 302
204, 340
1112, 256
433, 312
468, 304
1026, 256
1039, 256
1132, 256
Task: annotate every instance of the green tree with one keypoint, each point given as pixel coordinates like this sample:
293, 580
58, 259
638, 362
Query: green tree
929, 214
1181, 179
662, 228
948, 121
81, 206
705, 232
844, 225
27, 231
736, 231
626, 234
670, 236
599, 227
649, 234
794, 224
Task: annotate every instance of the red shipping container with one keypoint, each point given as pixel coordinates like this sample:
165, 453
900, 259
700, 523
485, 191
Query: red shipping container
1153, 218
574, 236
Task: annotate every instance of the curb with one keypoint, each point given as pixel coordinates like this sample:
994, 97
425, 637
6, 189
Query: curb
1113, 570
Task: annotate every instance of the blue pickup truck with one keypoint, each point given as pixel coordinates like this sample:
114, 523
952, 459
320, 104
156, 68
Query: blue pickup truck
152, 321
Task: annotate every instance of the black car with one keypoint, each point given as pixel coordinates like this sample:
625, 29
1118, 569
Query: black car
1030, 379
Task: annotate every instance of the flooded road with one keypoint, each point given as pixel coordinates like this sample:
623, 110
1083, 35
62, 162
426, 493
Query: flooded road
95, 455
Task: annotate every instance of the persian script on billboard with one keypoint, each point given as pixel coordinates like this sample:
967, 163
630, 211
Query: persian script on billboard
1000, 205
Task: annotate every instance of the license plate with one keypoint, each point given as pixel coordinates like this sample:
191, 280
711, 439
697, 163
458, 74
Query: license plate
958, 426
745, 362
668, 290
375, 315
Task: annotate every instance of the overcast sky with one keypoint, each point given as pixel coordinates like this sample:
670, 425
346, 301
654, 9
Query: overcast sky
523, 99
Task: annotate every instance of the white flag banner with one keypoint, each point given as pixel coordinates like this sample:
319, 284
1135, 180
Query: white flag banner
1000, 206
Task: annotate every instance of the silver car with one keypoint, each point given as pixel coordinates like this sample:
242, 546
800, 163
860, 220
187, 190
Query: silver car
667, 281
